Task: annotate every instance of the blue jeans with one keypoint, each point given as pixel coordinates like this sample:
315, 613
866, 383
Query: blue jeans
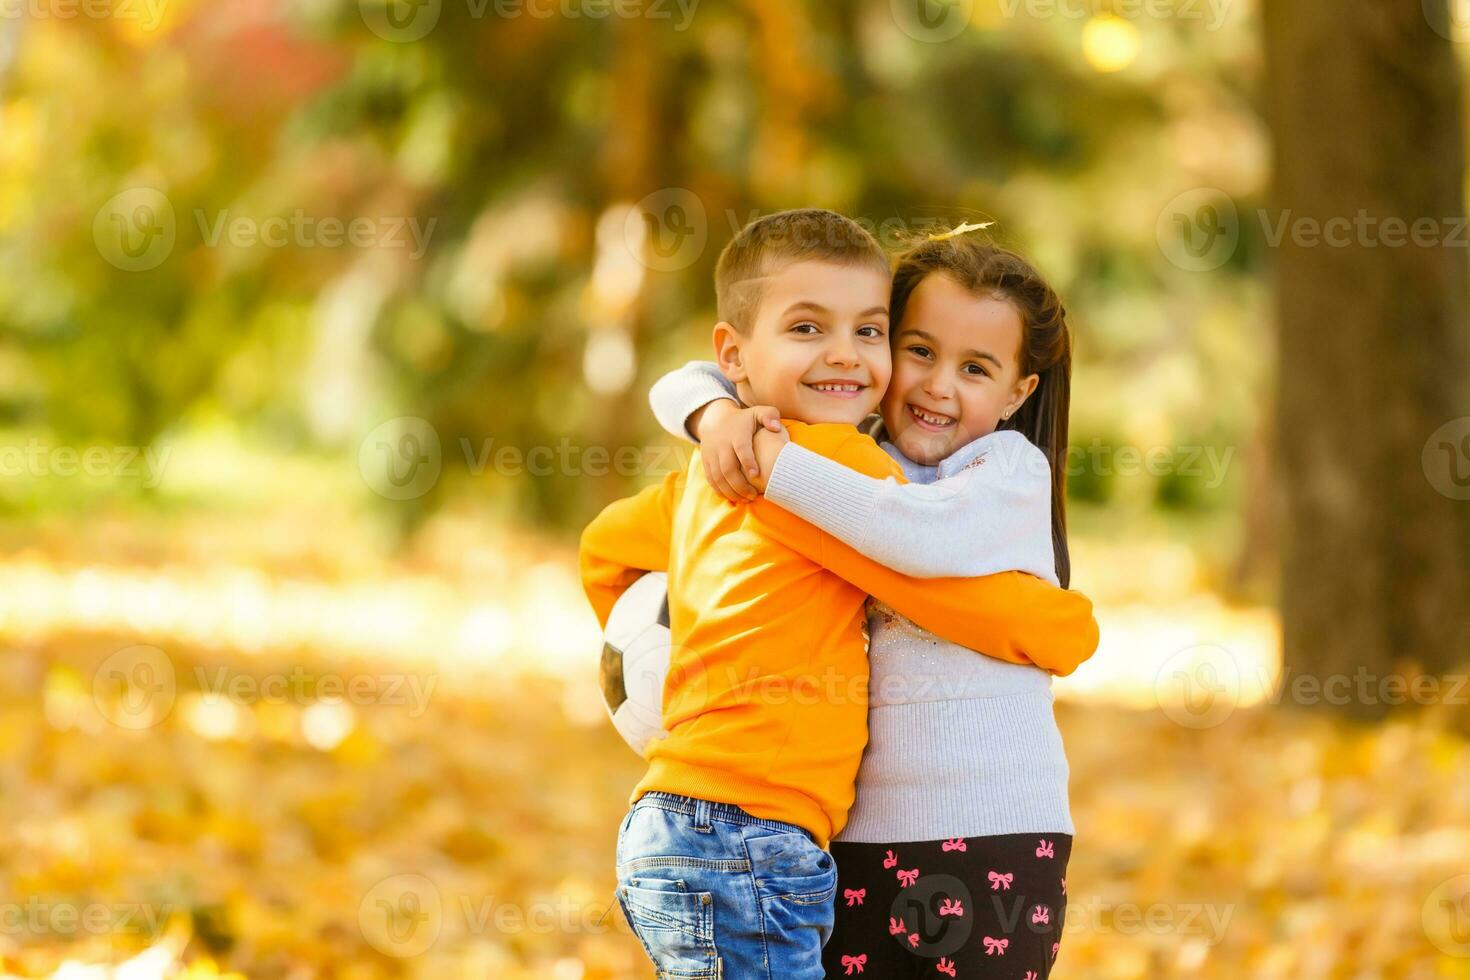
714, 893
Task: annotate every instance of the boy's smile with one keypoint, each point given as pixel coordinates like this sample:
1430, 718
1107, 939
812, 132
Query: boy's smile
840, 388
817, 346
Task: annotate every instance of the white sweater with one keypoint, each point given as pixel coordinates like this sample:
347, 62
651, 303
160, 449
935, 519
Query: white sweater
959, 745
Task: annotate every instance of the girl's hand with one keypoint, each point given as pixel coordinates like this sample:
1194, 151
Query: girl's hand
768, 445
726, 434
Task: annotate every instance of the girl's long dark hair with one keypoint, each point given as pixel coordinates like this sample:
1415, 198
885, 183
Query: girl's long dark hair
987, 269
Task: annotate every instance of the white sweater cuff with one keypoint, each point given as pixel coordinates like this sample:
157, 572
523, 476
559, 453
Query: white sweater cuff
679, 395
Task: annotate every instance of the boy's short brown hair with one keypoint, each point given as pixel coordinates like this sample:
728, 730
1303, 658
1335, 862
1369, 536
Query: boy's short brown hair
772, 242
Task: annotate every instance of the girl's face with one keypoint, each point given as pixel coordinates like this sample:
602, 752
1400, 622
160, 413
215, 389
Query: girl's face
956, 370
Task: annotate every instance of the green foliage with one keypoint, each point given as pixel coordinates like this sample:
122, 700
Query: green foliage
515, 143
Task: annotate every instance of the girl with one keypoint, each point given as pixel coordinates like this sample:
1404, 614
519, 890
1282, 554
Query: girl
954, 857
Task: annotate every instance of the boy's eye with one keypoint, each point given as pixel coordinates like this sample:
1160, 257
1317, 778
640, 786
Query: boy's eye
870, 331
804, 327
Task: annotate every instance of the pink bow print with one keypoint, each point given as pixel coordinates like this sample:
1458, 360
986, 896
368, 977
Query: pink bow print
999, 881
1031, 975
913, 940
951, 906
1044, 849
896, 926
957, 844
1040, 916
907, 878
945, 966
854, 961
891, 860
996, 947
854, 896
1054, 948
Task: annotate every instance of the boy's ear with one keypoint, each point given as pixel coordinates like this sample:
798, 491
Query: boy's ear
728, 355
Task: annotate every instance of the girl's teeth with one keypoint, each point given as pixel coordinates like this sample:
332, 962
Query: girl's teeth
932, 419
836, 387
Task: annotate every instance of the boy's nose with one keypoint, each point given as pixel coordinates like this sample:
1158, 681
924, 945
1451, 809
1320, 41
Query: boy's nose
842, 352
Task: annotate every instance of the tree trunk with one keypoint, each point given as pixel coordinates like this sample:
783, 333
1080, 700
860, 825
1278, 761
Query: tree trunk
1364, 101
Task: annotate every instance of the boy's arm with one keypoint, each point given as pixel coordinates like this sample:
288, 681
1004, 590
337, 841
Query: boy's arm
682, 392
1010, 616
994, 516
629, 538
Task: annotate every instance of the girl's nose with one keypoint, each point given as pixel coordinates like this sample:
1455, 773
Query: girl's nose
937, 385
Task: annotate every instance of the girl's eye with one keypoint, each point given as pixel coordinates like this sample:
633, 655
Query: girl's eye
919, 350
978, 370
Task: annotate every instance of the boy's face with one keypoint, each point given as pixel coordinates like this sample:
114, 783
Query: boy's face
817, 347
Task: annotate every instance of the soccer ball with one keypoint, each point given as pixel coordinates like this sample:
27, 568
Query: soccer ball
635, 660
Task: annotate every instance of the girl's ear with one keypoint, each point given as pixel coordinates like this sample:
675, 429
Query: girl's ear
1021, 392
727, 352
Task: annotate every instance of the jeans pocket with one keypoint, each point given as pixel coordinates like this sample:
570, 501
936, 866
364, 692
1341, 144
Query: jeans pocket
676, 928
797, 884
791, 867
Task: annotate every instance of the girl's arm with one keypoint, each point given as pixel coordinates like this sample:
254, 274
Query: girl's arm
681, 393
697, 400
993, 516
1008, 616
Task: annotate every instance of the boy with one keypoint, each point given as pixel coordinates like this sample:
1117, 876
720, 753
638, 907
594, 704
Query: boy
722, 867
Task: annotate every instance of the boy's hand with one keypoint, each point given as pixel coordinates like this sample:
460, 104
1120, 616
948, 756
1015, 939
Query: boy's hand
768, 445
726, 434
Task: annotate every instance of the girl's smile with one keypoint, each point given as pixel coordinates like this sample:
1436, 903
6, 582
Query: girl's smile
932, 421
956, 369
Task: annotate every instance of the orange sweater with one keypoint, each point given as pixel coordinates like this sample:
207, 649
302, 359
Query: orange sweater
766, 698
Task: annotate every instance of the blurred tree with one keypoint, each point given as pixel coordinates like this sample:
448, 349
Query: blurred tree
1365, 103
525, 145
